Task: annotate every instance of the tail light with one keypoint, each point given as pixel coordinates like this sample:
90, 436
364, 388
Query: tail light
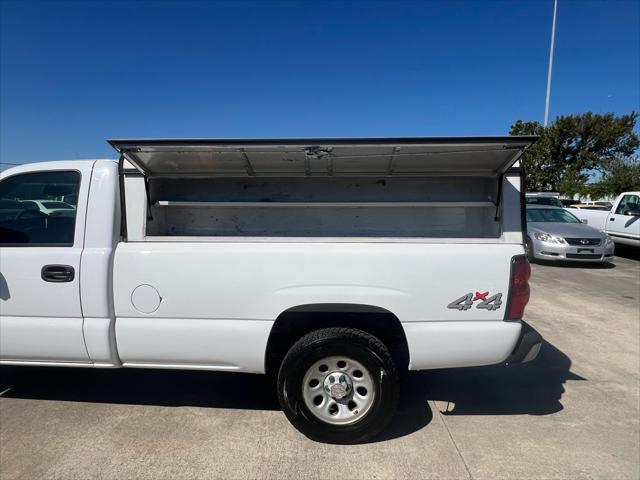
519, 287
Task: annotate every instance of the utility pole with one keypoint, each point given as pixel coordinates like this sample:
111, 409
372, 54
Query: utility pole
553, 41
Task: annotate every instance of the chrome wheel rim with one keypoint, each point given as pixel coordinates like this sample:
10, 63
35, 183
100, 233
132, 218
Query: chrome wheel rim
338, 390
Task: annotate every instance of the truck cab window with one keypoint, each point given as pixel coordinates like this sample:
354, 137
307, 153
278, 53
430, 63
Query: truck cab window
39, 208
628, 203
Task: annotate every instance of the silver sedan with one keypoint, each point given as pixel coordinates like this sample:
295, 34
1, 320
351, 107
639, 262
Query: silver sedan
556, 234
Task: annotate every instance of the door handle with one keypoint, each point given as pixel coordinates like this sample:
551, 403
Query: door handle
57, 273
612, 219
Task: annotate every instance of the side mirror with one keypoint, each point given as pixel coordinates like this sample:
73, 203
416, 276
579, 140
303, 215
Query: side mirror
584, 220
633, 213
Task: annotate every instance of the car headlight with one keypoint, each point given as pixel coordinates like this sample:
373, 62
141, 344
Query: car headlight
608, 241
548, 238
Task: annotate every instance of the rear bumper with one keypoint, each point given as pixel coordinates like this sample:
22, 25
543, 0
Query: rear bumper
595, 253
527, 347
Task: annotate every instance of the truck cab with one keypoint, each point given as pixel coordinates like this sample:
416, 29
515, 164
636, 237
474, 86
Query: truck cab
55, 275
621, 223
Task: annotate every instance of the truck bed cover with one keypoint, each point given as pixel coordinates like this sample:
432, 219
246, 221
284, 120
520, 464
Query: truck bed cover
400, 156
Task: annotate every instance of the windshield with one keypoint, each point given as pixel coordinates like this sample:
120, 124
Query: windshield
549, 201
550, 215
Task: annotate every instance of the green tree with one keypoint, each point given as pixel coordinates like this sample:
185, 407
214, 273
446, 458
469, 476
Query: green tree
574, 149
621, 176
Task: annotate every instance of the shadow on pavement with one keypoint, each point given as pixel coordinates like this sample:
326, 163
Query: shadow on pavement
534, 388
625, 251
413, 413
169, 388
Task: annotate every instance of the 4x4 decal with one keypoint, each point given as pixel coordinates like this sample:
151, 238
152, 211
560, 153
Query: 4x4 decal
487, 302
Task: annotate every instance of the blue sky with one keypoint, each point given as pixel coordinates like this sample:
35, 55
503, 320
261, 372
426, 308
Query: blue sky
75, 73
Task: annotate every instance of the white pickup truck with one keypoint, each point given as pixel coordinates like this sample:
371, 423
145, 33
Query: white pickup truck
621, 223
334, 264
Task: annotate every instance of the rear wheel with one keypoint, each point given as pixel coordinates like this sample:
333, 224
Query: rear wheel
529, 250
338, 385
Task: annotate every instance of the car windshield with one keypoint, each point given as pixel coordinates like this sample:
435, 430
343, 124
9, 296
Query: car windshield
549, 201
550, 215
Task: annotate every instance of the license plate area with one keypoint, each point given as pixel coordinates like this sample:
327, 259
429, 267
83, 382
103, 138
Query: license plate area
585, 250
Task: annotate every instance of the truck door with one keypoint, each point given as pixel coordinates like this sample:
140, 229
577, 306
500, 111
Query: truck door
41, 240
621, 223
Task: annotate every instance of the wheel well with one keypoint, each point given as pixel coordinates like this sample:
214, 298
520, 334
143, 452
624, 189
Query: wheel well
294, 323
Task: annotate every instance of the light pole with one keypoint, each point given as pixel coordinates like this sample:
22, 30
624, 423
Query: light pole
553, 41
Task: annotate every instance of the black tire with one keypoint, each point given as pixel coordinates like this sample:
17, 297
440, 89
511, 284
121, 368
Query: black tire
529, 249
347, 342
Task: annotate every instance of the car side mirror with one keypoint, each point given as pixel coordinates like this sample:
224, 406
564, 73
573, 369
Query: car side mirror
633, 213
584, 220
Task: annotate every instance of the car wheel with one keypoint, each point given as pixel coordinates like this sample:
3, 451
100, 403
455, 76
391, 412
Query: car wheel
529, 250
338, 385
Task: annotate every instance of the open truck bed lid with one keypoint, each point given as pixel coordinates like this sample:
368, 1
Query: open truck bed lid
340, 157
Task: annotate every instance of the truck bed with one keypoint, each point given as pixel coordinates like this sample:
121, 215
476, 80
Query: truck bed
214, 303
